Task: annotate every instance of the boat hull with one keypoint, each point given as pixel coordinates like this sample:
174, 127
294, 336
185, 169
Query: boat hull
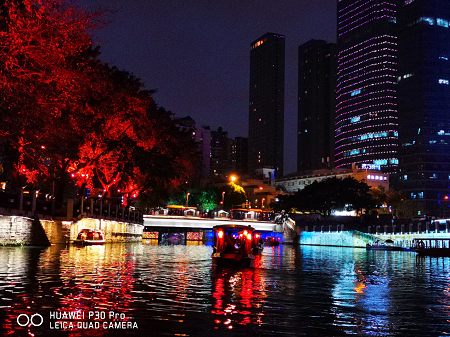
88, 242
388, 248
232, 260
437, 252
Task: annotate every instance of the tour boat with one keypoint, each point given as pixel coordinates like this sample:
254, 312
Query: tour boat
258, 244
271, 241
233, 246
437, 247
387, 245
88, 236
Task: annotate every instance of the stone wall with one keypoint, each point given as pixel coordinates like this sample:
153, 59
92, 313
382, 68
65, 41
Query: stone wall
16, 230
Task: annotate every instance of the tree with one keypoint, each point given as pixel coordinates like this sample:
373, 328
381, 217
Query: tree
38, 84
75, 120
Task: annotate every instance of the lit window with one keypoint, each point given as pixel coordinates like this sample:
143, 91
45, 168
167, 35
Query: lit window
443, 81
380, 162
442, 22
427, 20
355, 92
420, 195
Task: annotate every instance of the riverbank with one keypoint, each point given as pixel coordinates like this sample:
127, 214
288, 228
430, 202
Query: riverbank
24, 231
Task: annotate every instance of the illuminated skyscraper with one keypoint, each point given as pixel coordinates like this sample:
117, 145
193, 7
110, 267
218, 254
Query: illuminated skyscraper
266, 104
424, 103
366, 108
316, 105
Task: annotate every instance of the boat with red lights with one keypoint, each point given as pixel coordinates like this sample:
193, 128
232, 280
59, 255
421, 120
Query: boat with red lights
233, 246
272, 241
258, 244
88, 236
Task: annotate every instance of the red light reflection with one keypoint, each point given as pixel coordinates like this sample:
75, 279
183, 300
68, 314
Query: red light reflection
238, 297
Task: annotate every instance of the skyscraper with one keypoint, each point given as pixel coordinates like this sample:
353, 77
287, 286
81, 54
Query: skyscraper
366, 108
424, 103
221, 154
316, 105
266, 103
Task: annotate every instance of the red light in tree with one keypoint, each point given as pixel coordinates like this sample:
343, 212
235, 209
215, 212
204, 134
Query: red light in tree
446, 197
118, 191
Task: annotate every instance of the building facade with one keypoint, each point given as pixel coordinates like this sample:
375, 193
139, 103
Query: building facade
424, 103
297, 181
316, 105
266, 103
239, 156
221, 154
366, 128
202, 135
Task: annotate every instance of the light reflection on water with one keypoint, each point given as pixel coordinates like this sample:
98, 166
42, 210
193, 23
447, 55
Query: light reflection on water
169, 290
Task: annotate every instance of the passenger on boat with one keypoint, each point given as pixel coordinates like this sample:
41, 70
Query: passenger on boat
229, 244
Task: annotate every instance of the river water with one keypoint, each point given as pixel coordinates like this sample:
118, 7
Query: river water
143, 289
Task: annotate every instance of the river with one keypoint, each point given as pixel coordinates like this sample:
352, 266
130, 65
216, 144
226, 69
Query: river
143, 289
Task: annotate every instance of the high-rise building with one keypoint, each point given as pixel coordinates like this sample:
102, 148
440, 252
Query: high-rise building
239, 156
366, 107
221, 163
266, 103
316, 105
424, 103
202, 135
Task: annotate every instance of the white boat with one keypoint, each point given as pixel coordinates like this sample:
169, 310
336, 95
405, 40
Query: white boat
88, 236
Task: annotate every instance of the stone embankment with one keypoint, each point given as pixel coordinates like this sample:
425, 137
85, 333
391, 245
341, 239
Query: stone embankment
24, 231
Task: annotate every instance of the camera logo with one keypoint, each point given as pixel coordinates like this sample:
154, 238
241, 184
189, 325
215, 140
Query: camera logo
35, 320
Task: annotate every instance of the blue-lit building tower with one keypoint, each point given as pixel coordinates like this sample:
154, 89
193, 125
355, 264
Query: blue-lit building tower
366, 125
424, 103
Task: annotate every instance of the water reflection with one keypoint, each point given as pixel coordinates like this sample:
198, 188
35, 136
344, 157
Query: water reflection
71, 279
238, 297
170, 290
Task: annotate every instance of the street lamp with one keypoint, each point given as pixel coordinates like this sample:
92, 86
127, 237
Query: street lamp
262, 202
233, 178
187, 198
223, 198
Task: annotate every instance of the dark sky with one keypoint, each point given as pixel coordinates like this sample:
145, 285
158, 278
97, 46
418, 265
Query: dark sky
196, 53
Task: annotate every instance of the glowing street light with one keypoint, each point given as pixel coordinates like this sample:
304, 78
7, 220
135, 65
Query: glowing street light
223, 198
233, 178
187, 198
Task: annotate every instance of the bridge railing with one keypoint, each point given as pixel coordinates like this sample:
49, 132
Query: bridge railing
418, 227
28, 203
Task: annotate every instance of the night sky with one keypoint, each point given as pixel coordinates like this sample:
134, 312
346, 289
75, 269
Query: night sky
196, 53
